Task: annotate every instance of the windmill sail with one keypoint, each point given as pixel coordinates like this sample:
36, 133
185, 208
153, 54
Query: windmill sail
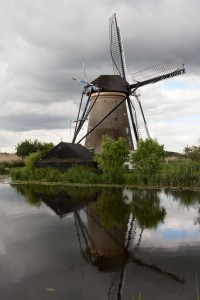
116, 48
159, 72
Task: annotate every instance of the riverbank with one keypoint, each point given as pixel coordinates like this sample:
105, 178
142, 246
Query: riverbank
181, 176
139, 187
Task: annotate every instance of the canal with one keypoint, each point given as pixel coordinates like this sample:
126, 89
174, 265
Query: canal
98, 243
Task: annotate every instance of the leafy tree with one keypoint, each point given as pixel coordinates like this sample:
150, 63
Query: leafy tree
27, 147
148, 156
113, 154
32, 159
192, 152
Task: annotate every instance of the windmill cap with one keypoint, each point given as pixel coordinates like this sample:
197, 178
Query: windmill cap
112, 83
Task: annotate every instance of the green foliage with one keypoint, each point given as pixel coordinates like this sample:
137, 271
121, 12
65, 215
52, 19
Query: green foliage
192, 152
177, 174
5, 166
140, 296
148, 156
113, 155
39, 175
77, 174
112, 177
80, 174
27, 147
197, 288
33, 158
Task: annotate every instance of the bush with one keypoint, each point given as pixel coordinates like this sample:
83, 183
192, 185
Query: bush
148, 157
32, 159
113, 155
81, 174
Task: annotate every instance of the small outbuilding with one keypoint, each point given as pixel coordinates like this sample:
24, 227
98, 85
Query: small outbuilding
66, 155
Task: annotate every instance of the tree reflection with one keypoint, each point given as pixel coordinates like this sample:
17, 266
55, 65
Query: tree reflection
28, 191
185, 198
147, 210
112, 209
197, 219
112, 227
61, 199
108, 228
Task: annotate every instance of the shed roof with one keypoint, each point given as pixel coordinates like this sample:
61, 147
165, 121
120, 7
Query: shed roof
69, 150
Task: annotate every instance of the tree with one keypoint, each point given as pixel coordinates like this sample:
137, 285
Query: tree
192, 152
113, 154
33, 158
27, 147
148, 156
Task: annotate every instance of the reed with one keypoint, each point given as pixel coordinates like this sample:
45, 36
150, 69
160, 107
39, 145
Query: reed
197, 288
6, 166
180, 174
140, 297
177, 175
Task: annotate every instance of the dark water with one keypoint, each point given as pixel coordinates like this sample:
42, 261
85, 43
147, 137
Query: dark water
86, 243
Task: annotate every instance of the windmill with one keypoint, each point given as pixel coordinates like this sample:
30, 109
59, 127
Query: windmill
109, 105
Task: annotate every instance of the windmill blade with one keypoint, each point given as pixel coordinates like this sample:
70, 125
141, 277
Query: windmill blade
142, 112
80, 121
156, 73
116, 48
133, 117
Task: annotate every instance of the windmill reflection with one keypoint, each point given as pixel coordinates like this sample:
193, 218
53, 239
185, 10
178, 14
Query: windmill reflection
109, 226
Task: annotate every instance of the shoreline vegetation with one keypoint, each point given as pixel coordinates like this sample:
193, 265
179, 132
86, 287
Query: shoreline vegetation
182, 175
149, 168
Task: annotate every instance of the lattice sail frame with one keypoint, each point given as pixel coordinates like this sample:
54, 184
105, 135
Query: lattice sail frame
159, 72
116, 48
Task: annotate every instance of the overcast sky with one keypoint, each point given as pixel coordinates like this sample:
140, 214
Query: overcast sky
41, 47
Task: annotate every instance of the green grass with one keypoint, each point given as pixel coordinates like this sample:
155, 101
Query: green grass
183, 174
197, 288
177, 174
6, 166
140, 297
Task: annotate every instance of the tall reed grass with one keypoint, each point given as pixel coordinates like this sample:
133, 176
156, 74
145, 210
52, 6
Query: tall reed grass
5, 166
181, 174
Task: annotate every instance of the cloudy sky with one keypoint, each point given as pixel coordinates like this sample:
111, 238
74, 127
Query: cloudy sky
41, 47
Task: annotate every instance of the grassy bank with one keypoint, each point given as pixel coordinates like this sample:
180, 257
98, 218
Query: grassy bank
6, 166
175, 175
185, 174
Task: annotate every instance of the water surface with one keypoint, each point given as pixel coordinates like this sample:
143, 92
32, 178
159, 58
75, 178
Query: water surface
94, 243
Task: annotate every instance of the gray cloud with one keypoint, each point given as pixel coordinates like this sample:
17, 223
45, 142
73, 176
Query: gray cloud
42, 44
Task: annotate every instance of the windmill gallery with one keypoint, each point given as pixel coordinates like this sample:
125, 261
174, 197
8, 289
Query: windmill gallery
109, 105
